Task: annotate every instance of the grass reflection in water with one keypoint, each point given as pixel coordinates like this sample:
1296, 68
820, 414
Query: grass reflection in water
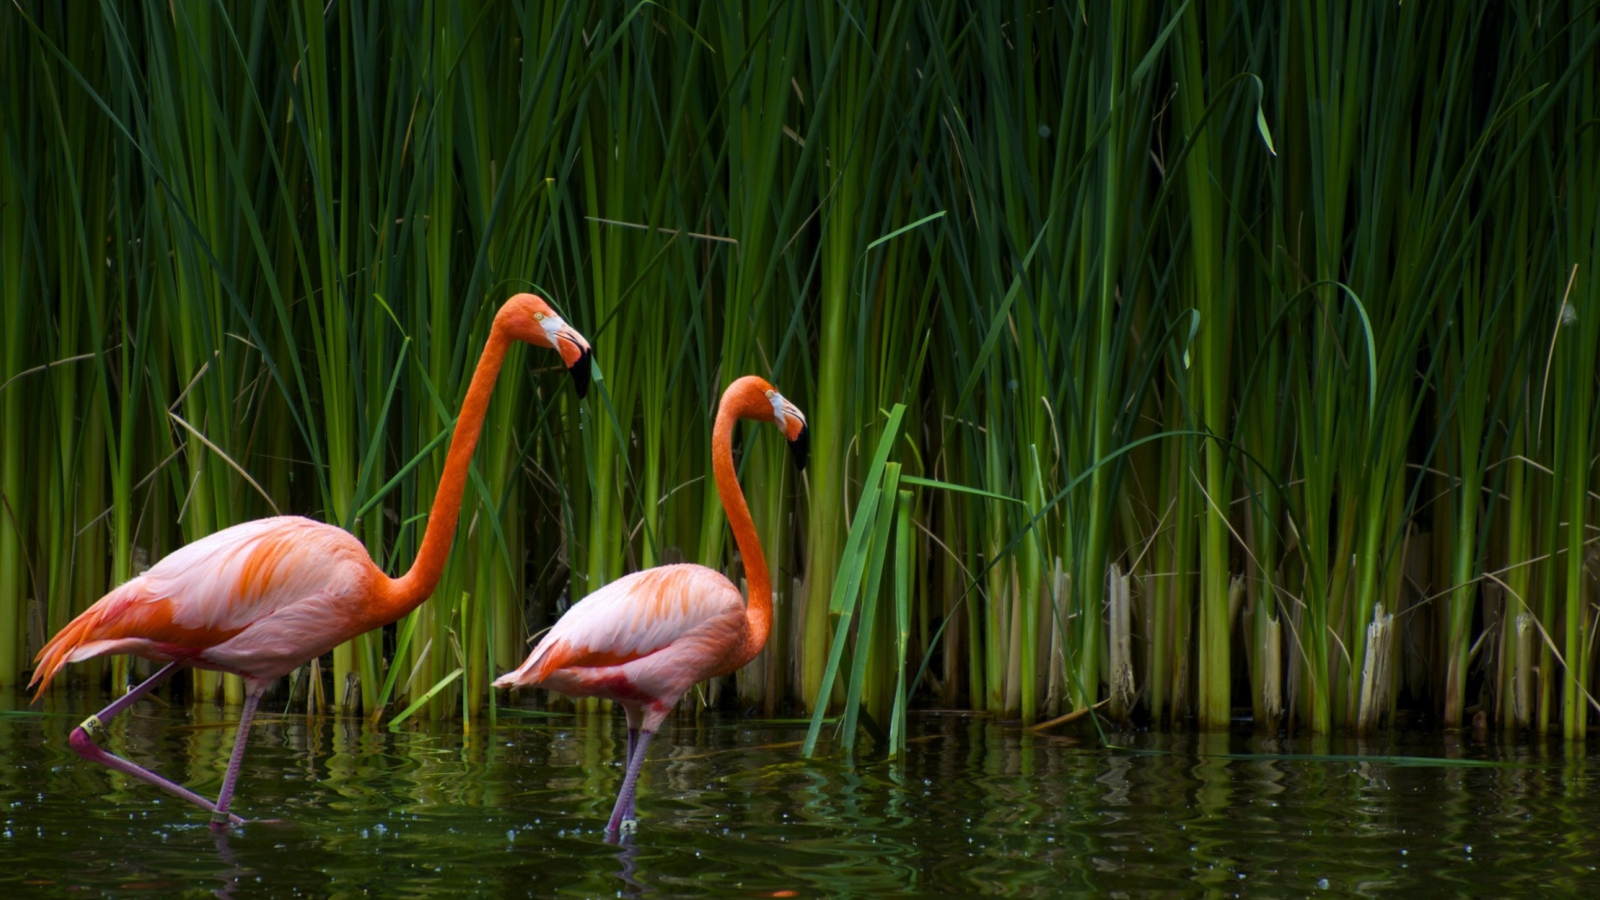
977, 807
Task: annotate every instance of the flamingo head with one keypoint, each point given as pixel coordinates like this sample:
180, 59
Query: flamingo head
756, 398
528, 318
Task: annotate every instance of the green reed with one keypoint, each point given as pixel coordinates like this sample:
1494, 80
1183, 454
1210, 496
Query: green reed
1286, 313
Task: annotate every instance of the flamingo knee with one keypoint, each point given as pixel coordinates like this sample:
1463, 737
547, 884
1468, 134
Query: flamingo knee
82, 739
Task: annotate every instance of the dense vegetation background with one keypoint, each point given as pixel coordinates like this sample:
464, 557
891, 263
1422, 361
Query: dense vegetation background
1277, 323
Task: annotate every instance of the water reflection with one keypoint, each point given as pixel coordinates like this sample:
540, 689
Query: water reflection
977, 807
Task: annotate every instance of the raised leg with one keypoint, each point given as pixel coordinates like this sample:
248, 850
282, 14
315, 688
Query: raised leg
622, 815
128, 699
220, 817
83, 743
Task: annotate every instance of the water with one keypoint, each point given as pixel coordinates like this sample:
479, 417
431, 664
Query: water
728, 808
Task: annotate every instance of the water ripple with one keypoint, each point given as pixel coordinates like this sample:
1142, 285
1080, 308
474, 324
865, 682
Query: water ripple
729, 809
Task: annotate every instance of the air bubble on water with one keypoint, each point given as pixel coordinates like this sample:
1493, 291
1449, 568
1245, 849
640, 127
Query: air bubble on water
1322, 883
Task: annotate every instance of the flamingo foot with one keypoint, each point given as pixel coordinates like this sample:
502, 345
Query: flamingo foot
223, 821
235, 821
218, 825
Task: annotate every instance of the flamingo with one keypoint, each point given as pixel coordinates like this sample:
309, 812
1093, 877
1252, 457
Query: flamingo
262, 598
646, 638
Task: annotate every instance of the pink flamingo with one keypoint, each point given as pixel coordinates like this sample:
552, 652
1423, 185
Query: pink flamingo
645, 639
261, 598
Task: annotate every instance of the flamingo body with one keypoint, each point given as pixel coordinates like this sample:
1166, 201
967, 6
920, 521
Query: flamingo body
254, 600
644, 640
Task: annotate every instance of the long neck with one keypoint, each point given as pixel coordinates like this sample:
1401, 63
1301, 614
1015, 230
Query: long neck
759, 611
409, 590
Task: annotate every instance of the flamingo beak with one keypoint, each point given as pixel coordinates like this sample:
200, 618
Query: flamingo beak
580, 368
574, 351
792, 422
800, 445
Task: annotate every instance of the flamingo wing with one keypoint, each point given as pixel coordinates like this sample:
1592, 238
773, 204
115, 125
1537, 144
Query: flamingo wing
634, 617
212, 592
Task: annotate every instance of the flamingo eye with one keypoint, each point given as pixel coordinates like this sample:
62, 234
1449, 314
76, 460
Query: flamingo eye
538, 317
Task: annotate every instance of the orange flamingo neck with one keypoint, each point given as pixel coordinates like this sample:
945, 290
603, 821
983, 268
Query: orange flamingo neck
410, 590
759, 610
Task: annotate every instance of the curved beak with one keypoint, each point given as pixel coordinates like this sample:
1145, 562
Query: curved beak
792, 421
800, 445
580, 372
575, 352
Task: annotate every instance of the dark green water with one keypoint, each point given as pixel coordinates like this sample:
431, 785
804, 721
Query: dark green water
728, 808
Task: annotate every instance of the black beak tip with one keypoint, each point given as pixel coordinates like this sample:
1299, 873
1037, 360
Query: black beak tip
580, 372
801, 446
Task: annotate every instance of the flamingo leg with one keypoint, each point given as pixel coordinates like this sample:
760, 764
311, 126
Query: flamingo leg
83, 744
635, 717
220, 817
622, 815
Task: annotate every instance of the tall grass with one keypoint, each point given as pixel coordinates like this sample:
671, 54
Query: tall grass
1287, 313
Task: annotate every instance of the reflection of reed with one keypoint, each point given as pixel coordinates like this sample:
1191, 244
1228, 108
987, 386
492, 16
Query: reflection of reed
345, 776
582, 763
975, 806
206, 749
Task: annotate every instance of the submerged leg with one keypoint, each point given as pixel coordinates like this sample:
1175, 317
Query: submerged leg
83, 744
220, 817
635, 717
623, 814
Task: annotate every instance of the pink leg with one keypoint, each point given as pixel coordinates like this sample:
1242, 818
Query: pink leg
220, 817
83, 744
635, 718
623, 812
